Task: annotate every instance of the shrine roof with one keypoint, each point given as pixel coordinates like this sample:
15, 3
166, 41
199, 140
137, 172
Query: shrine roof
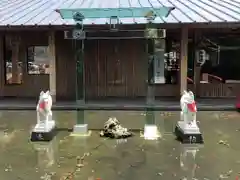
43, 12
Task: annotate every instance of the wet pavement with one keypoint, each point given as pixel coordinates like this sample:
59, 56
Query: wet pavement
90, 158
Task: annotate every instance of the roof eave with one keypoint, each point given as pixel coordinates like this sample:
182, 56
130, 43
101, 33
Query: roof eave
192, 25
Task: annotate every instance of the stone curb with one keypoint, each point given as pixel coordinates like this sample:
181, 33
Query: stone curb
119, 108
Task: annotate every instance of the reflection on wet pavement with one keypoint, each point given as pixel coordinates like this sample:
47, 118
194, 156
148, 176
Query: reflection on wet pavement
68, 157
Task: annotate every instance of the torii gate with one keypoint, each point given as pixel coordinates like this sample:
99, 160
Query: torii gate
114, 14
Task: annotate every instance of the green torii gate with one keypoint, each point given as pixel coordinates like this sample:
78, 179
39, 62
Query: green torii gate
79, 15
96, 13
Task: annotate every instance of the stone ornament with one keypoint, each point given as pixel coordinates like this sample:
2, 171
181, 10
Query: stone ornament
113, 129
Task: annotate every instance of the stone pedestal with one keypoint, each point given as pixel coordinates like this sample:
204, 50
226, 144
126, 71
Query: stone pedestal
81, 130
42, 132
151, 132
190, 135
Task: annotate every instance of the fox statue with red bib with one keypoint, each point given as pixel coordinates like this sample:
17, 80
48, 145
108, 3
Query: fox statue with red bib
189, 109
44, 107
187, 129
43, 131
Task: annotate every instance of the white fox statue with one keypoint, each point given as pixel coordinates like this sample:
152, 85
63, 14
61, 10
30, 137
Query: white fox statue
189, 109
44, 108
187, 130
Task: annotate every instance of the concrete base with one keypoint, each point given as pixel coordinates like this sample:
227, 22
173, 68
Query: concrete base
151, 132
81, 130
44, 133
188, 135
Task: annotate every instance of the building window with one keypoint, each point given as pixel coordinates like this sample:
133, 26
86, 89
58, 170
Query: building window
13, 65
38, 60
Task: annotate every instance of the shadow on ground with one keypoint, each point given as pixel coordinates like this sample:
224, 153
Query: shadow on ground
68, 157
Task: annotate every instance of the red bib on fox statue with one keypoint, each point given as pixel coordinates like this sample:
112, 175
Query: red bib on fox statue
238, 103
192, 107
42, 105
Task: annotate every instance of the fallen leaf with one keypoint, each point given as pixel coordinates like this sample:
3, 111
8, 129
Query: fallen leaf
80, 165
225, 175
224, 143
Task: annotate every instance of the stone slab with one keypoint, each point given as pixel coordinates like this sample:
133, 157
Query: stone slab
151, 132
81, 130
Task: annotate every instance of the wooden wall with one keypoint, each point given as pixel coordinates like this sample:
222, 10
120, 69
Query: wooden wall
65, 67
1, 67
118, 68
219, 90
32, 84
113, 68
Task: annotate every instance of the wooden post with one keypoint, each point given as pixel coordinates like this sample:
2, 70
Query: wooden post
196, 65
52, 65
23, 59
183, 59
80, 81
2, 66
15, 43
80, 71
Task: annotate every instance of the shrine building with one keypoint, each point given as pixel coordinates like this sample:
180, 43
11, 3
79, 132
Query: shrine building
119, 49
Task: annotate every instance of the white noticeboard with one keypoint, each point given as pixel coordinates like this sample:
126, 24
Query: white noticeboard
159, 71
159, 67
159, 64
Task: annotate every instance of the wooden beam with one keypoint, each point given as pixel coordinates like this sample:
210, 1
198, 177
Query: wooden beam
183, 59
191, 25
52, 64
